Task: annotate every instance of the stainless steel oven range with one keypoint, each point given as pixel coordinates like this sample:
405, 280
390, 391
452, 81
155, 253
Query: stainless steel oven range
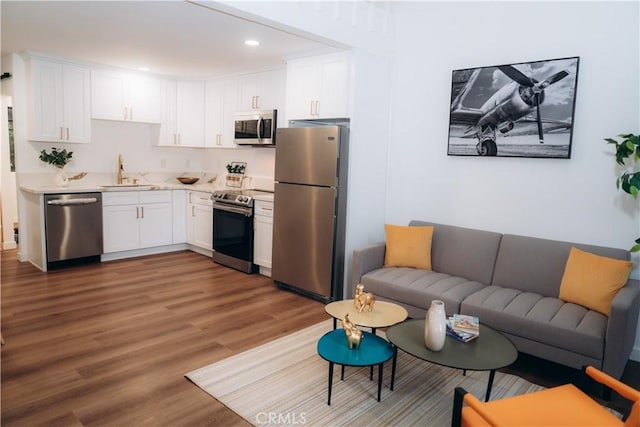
233, 229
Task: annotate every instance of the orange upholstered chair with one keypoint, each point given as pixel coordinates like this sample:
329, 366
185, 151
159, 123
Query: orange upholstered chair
564, 405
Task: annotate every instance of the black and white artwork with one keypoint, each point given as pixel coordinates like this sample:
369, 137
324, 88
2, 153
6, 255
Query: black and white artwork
514, 110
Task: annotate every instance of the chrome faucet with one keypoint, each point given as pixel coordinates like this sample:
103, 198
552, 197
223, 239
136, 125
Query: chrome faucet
121, 176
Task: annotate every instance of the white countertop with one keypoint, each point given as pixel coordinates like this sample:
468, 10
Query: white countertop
141, 187
51, 189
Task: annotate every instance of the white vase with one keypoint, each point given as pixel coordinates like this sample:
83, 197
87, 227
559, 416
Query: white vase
435, 326
62, 180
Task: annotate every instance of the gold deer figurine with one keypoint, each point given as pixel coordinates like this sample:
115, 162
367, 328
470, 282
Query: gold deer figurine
362, 299
354, 335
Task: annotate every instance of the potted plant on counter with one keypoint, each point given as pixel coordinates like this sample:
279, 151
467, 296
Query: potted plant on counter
59, 159
235, 173
629, 180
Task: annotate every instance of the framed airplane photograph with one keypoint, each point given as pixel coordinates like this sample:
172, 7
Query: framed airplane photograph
514, 110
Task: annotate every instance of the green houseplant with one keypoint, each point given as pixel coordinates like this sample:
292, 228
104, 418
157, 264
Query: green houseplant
629, 180
59, 159
56, 158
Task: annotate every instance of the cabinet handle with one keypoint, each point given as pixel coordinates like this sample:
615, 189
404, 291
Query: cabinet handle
311, 108
61, 130
317, 108
142, 210
179, 139
218, 139
137, 212
130, 113
67, 134
193, 211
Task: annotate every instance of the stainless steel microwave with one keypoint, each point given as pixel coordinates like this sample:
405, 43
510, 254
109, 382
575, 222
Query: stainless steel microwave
256, 127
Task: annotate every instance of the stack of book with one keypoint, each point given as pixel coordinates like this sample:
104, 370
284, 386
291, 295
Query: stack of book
463, 327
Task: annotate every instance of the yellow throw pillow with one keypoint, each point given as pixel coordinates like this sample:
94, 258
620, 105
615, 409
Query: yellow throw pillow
408, 246
592, 281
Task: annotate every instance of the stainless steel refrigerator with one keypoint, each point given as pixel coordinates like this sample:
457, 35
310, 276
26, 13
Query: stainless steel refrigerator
310, 209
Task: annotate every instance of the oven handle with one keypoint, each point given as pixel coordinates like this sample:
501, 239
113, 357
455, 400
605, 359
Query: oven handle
232, 209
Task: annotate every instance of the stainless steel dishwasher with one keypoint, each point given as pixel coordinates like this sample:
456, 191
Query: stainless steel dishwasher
73, 224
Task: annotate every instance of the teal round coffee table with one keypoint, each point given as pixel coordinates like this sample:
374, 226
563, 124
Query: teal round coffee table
373, 350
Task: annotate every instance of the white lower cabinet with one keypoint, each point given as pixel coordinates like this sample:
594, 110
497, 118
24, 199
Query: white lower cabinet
136, 220
200, 219
262, 233
179, 217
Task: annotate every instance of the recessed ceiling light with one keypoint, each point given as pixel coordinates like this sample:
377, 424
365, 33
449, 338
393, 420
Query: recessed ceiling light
252, 42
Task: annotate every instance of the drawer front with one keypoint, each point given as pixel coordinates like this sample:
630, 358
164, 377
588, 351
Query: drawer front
200, 198
155, 196
263, 208
116, 198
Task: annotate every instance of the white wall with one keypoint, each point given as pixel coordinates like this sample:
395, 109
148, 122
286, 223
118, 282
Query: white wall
573, 199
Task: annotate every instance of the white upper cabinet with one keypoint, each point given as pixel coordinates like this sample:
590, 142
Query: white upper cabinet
184, 114
60, 102
318, 87
262, 91
125, 97
228, 96
221, 107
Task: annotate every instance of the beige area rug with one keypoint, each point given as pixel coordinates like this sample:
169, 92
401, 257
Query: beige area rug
284, 382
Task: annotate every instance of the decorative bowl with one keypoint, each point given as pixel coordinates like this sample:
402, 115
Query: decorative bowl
188, 180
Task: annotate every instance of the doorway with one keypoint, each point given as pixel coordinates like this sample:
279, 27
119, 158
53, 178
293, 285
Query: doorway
8, 194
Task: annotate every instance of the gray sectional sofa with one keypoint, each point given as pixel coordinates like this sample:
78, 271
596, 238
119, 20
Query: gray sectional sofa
512, 284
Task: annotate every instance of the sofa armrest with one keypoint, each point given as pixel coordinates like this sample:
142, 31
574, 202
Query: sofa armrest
365, 259
621, 328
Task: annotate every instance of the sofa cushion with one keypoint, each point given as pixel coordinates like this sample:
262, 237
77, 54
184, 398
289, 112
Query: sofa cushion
463, 252
592, 281
419, 287
538, 318
407, 246
536, 265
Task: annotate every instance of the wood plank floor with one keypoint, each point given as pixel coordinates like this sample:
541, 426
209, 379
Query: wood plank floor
108, 344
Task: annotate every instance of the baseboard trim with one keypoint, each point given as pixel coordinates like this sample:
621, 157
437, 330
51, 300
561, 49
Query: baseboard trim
11, 244
142, 252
